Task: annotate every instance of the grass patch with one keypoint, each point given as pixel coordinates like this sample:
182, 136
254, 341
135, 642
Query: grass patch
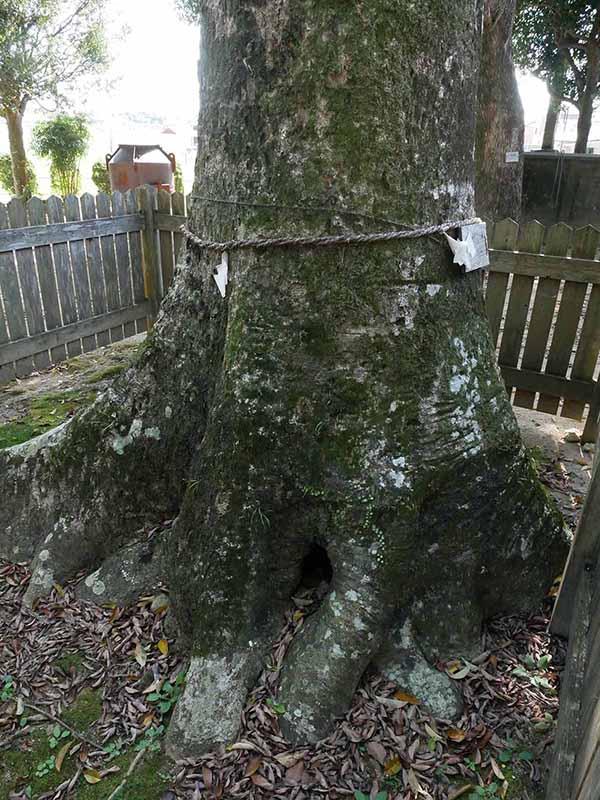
45, 412
107, 372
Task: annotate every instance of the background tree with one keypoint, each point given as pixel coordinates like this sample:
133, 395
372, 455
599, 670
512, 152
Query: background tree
558, 41
6, 177
45, 47
500, 123
100, 176
340, 404
64, 140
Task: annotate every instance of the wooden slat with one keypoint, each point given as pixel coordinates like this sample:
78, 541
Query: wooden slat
68, 231
165, 240
94, 260
567, 734
83, 329
135, 249
592, 423
123, 262
30, 290
109, 263
569, 312
504, 237
80, 272
178, 203
529, 240
168, 222
146, 200
588, 346
542, 314
64, 277
584, 550
549, 384
13, 317
45, 269
572, 269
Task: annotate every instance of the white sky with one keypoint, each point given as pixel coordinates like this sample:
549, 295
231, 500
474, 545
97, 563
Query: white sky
155, 65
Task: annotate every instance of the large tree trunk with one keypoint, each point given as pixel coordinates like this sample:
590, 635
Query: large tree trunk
500, 123
340, 403
586, 103
14, 121
552, 113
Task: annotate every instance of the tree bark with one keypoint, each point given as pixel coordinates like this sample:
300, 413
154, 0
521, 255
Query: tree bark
552, 113
14, 121
586, 103
500, 123
342, 401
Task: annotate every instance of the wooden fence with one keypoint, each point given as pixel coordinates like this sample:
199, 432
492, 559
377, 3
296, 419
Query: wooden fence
575, 773
84, 273
543, 303
81, 273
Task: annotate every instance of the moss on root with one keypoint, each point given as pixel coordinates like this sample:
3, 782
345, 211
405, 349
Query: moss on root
45, 412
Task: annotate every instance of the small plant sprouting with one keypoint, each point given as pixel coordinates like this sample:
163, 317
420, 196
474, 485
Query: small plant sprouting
57, 735
149, 740
168, 694
7, 689
362, 796
278, 708
114, 749
44, 767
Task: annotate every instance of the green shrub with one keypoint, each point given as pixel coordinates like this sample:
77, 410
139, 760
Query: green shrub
100, 177
6, 177
63, 139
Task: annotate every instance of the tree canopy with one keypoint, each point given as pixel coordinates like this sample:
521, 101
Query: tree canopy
558, 41
46, 45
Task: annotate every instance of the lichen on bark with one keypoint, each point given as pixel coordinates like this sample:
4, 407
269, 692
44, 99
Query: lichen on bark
345, 398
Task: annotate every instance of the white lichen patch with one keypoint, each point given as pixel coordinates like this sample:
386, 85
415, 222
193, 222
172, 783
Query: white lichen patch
43, 555
432, 289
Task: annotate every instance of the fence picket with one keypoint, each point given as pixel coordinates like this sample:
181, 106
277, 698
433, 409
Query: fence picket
529, 240
165, 240
569, 313
504, 237
135, 248
13, 317
30, 290
80, 272
123, 263
109, 262
64, 277
94, 257
37, 213
589, 340
178, 203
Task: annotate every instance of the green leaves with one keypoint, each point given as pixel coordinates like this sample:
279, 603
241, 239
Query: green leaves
58, 734
362, 796
7, 689
278, 708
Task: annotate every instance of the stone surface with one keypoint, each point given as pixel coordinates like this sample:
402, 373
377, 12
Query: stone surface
124, 576
572, 435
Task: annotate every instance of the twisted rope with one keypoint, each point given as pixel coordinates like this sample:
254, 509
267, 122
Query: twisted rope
262, 243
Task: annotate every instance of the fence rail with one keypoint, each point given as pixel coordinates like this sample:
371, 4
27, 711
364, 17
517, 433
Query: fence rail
81, 273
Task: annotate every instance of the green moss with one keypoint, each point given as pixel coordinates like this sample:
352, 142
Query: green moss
147, 782
107, 372
20, 768
68, 661
45, 412
85, 711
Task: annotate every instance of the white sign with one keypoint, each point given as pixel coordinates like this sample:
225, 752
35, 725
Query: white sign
220, 274
512, 157
471, 250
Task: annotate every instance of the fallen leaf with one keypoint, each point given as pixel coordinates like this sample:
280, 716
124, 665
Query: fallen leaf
455, 734
460, 674
59, 589
258, 780
140, 655
377, 750
296, 773
496, 769
413, 782
287, 759
163, 646
433, 733
392, 767
92, 775
407, 698
147, 719
253, 765
460, 792
61, 755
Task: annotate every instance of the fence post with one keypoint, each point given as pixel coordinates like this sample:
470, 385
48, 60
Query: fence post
590, 431
145, 197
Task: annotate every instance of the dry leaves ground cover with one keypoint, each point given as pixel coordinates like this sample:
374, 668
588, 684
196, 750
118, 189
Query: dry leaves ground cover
86, 692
